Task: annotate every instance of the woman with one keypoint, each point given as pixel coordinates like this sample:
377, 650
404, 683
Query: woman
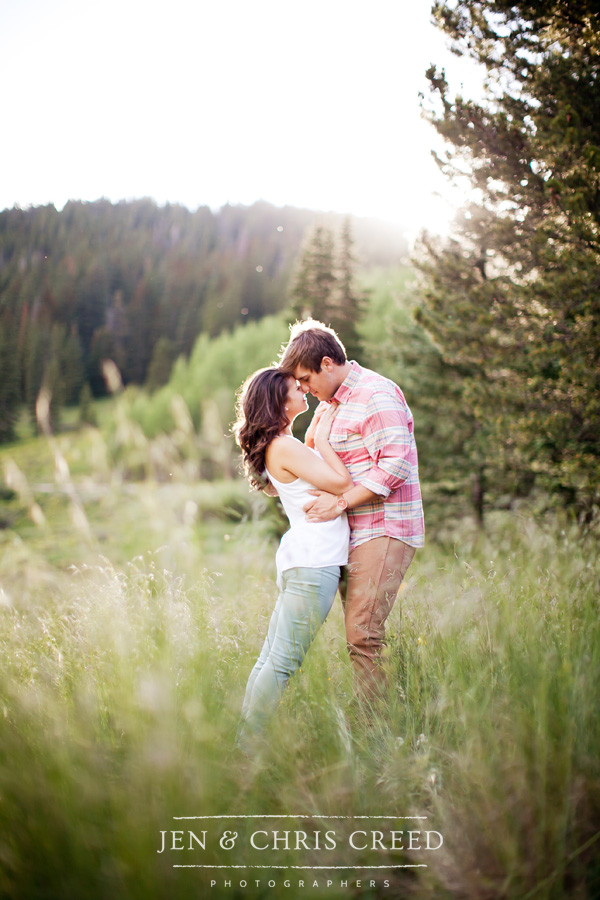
310, 554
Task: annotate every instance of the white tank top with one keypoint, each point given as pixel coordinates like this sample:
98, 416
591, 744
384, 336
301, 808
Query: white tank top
310, 544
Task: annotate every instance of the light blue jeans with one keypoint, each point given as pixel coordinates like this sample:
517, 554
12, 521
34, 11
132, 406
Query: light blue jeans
306, 597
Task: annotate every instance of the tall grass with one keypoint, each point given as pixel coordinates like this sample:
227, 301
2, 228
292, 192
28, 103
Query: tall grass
506, 673
126, 646
122, 686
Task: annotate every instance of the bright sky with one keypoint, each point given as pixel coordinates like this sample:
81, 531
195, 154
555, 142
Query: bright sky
311, 103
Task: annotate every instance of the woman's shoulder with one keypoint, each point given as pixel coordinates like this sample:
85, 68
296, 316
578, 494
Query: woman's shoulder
284, 453
283, 443
278, 452
286, 446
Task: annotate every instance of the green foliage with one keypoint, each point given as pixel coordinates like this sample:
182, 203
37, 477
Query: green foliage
209, 379
86, 406
512, 300
163, 357
398, 346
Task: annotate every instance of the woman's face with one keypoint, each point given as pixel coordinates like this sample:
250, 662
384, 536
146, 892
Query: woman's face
296, 400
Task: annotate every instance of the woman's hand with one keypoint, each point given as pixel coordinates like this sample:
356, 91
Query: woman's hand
323, 429
309, 437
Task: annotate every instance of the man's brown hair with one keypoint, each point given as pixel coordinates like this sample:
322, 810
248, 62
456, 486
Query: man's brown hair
309, 342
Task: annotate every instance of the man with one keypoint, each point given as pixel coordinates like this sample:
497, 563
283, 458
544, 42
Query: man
373, 434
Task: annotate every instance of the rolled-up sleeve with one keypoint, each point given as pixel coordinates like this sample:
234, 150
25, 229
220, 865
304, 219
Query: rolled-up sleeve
388, 439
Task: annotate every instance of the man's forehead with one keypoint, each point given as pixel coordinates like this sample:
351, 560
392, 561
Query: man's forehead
301, 372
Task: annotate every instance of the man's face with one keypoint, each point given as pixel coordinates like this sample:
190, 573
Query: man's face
321, 385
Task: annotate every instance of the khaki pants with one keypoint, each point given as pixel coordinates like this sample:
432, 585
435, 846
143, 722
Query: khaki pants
375, 572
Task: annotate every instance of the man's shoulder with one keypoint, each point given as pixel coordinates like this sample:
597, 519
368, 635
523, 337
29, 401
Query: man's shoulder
371, 382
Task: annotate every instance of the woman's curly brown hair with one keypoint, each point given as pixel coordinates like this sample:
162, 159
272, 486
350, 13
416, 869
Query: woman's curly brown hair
261, 417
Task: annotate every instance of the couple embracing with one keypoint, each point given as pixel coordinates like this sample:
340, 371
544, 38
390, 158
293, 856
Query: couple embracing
352, 496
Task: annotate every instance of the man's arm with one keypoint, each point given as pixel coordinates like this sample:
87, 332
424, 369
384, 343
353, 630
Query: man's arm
388, 439
325, 505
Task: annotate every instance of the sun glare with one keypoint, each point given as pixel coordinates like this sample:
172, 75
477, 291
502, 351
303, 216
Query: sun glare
207, 104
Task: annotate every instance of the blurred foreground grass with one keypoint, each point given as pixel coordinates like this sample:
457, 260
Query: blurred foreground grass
131, 616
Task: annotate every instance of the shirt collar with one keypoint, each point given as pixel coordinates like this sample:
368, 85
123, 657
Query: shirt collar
342, 395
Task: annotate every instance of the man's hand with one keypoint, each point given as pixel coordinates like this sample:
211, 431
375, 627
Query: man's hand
323, 508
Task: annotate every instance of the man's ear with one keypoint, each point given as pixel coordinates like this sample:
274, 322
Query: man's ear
327, 363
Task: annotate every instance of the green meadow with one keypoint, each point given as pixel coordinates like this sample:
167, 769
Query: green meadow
131, 614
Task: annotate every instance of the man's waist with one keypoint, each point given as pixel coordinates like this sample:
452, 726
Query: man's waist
412, 533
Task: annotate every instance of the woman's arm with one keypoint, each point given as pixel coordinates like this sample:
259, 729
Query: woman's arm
321, 438
327, 474
309, 437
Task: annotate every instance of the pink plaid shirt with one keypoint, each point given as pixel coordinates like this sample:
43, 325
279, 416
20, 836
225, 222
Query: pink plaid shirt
373, 435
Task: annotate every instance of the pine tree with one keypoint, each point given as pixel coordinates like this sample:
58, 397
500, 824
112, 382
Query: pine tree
36, 348
513, 300
72, 367
313, 286
163, 357
54, 374
103, 347
348, 303
87, 414
10, 394
324, 285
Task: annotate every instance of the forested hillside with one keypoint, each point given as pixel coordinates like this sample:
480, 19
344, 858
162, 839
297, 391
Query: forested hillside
137, 283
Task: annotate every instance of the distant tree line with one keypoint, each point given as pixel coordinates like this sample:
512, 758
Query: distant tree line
137, 283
